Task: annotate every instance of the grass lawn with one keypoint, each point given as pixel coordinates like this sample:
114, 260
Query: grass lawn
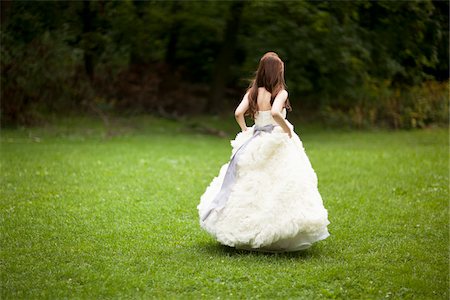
83, 216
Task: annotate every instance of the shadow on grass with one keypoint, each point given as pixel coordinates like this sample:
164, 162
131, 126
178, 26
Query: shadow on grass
221, 250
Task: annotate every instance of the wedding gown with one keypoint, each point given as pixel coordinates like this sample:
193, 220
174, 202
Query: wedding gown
271, 202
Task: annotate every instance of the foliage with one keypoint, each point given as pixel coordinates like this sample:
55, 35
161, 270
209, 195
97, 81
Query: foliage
419, 106
39, 71
164, 57
88, 217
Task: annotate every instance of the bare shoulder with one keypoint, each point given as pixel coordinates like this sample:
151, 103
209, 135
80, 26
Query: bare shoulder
281, 97
283, 94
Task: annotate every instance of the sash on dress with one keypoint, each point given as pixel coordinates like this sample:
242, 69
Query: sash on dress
230, 176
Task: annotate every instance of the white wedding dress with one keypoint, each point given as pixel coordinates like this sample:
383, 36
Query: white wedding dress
274, 203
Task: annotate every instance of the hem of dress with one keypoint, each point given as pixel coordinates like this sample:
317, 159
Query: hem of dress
299, 247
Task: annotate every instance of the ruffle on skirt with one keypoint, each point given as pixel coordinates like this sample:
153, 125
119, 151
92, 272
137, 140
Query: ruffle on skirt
274, 204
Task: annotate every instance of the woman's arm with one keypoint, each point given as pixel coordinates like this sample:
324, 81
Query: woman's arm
277, 107
240, 111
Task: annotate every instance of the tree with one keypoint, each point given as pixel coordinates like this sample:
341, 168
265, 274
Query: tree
225, 56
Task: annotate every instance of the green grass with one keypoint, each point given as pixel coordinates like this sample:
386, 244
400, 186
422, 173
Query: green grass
84, 216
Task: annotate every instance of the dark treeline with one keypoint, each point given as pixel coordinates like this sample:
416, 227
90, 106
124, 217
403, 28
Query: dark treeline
359, 63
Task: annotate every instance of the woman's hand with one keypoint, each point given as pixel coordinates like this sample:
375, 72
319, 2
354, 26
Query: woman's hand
289, 133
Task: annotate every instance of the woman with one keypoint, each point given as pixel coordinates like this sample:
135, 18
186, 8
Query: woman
266, 197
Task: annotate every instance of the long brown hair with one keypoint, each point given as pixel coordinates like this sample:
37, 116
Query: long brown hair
270, 75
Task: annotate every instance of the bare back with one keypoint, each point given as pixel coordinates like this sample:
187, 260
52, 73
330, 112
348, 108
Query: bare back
263, 100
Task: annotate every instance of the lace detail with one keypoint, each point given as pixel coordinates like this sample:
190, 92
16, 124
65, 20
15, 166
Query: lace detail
264, 117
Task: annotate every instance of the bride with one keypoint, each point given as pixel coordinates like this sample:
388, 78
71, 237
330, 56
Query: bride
266, 197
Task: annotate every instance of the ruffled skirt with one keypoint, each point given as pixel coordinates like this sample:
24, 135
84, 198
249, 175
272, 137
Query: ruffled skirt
274, 204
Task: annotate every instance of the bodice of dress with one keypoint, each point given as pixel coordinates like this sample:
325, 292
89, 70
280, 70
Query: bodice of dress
264, 117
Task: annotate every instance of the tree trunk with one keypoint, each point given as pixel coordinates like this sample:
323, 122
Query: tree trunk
225, 58
174, 33
88, 56
5, 6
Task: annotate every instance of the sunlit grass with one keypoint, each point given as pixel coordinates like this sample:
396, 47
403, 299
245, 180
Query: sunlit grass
89, 214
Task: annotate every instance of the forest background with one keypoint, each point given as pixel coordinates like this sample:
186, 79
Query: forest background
348, 63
